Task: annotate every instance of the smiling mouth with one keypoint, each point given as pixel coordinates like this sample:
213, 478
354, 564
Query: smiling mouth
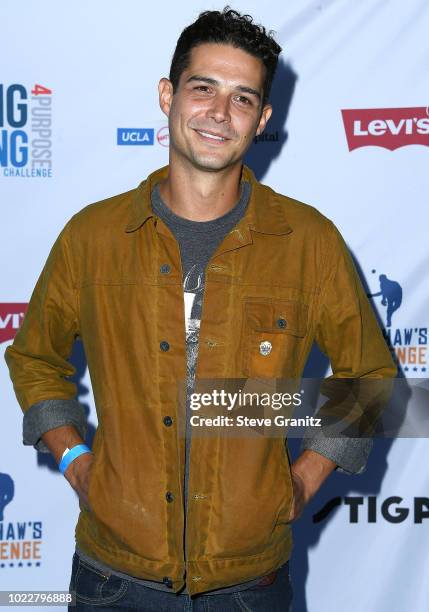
212, 137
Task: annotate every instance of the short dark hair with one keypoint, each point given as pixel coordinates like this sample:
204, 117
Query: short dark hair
227, 27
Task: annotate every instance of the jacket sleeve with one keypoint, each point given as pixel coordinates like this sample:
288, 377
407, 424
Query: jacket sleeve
38, 357
348, 332
49, 414
350, 454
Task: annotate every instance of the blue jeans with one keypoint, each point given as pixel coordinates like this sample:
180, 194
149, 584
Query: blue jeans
95, 592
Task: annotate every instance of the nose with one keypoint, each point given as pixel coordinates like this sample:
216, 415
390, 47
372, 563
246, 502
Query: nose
219, 110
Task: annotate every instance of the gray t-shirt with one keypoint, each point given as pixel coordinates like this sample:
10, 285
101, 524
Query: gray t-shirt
197, 240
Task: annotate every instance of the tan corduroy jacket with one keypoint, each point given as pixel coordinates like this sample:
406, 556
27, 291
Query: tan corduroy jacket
106, 281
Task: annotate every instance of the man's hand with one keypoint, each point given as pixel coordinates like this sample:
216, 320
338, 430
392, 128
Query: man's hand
308, 473
299, 496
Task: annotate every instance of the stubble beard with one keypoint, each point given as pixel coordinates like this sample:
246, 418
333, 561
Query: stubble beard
201, 161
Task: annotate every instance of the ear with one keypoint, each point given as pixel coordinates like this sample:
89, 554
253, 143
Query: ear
165, 90
264, 118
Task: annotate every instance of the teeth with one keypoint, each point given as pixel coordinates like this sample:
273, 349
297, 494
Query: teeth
211, 136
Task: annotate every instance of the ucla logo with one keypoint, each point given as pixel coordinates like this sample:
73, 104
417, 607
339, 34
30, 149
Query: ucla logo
135, 136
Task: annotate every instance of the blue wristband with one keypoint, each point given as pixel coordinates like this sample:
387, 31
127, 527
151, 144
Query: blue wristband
71, 455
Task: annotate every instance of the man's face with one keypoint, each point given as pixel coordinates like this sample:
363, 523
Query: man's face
217, 108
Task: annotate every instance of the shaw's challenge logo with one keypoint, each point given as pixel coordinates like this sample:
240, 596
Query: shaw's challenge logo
408, 343
26, 131
390, 128
20, 541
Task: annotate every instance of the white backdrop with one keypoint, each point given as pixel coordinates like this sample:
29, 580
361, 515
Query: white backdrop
102, 62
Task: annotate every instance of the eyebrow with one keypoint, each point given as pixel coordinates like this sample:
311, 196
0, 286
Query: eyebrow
241, 88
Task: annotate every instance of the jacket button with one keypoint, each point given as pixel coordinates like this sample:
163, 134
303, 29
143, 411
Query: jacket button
164, 269
281, 322
169, 496
164, 346
167, 581
167, 421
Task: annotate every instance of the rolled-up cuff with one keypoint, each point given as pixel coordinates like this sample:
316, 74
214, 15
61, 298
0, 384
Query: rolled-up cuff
350, 454
47, 415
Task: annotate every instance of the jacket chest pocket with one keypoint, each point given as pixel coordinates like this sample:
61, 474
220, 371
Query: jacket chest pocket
273, 332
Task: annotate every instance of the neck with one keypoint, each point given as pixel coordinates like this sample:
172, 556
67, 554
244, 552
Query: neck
200, 195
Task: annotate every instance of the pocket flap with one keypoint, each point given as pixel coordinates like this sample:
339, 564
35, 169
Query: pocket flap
277, 316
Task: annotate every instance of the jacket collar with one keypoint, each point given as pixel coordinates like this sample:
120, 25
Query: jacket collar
265, 212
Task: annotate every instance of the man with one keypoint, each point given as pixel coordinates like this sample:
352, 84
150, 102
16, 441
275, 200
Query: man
201, 272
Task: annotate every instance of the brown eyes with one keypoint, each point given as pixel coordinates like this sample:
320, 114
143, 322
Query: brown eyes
205, 89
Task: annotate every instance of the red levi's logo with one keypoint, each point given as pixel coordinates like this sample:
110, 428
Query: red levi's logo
11, 316
390, 128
